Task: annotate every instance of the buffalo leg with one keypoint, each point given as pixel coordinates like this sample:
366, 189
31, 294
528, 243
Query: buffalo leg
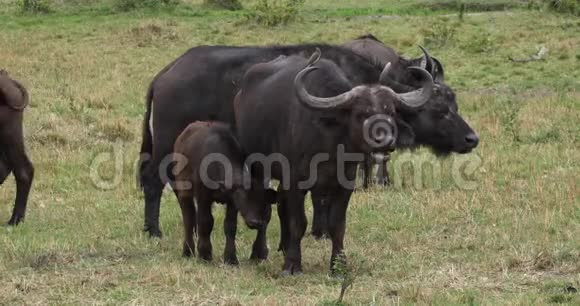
152, 180
367, 171
24, 173
5, 170
319, 216
153, 190
230, 228
187, 205
337, 224
383, 174
296, 222
284, 228
260, 246
205, 226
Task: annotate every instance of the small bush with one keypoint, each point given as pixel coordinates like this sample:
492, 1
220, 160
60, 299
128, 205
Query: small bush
482, 43
440, 33
274, 12
232, 5
561, 6
565, 6
129, 5
34, 6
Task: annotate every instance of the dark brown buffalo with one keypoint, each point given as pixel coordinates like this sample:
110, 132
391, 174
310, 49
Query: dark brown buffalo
195, 173
13, 159
300, 113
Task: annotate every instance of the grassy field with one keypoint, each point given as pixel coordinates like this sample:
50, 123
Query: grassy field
514, 239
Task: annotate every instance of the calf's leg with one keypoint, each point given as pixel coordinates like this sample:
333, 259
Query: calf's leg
205, 226
185, 198
230, 228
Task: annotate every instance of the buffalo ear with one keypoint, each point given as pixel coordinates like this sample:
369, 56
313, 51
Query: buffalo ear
271, 196
406, 135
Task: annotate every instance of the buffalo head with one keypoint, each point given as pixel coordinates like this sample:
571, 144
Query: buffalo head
368, 111
437, 124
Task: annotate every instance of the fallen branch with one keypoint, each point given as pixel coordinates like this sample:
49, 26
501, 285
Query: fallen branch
537, 57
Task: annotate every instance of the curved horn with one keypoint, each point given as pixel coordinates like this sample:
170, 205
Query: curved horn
15, 95
309, 100
314, 57
429, 66
417, 98
385, 73
439, 76
385, 79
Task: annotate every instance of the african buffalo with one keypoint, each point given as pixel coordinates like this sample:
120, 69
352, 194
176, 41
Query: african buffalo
13, 158
437, 126
201, 85
205, 154
440, 126
317, 122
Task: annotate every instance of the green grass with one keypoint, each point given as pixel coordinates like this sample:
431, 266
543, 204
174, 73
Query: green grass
512, 240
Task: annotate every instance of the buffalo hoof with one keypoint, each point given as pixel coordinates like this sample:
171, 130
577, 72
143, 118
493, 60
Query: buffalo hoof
259, 254
291, 269
205, 253
188, 252
282, 247
154, 232
15, 220
319, 234
231, 260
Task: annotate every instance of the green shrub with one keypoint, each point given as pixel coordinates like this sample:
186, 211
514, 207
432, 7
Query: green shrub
274, 12
561, 6
34, 6
232, 5
481, 43
565, 6
439, 33
129, 5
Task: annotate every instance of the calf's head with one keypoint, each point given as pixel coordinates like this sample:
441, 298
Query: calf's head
367, 111
253, 202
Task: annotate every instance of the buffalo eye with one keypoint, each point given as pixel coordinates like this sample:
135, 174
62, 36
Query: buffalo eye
361, 117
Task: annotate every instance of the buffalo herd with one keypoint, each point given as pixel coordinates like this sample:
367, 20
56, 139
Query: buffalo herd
253, 126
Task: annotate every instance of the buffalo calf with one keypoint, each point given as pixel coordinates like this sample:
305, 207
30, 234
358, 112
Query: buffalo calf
13, 159
209, 166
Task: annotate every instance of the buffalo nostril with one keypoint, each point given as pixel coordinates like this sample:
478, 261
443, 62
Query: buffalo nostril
472, 139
